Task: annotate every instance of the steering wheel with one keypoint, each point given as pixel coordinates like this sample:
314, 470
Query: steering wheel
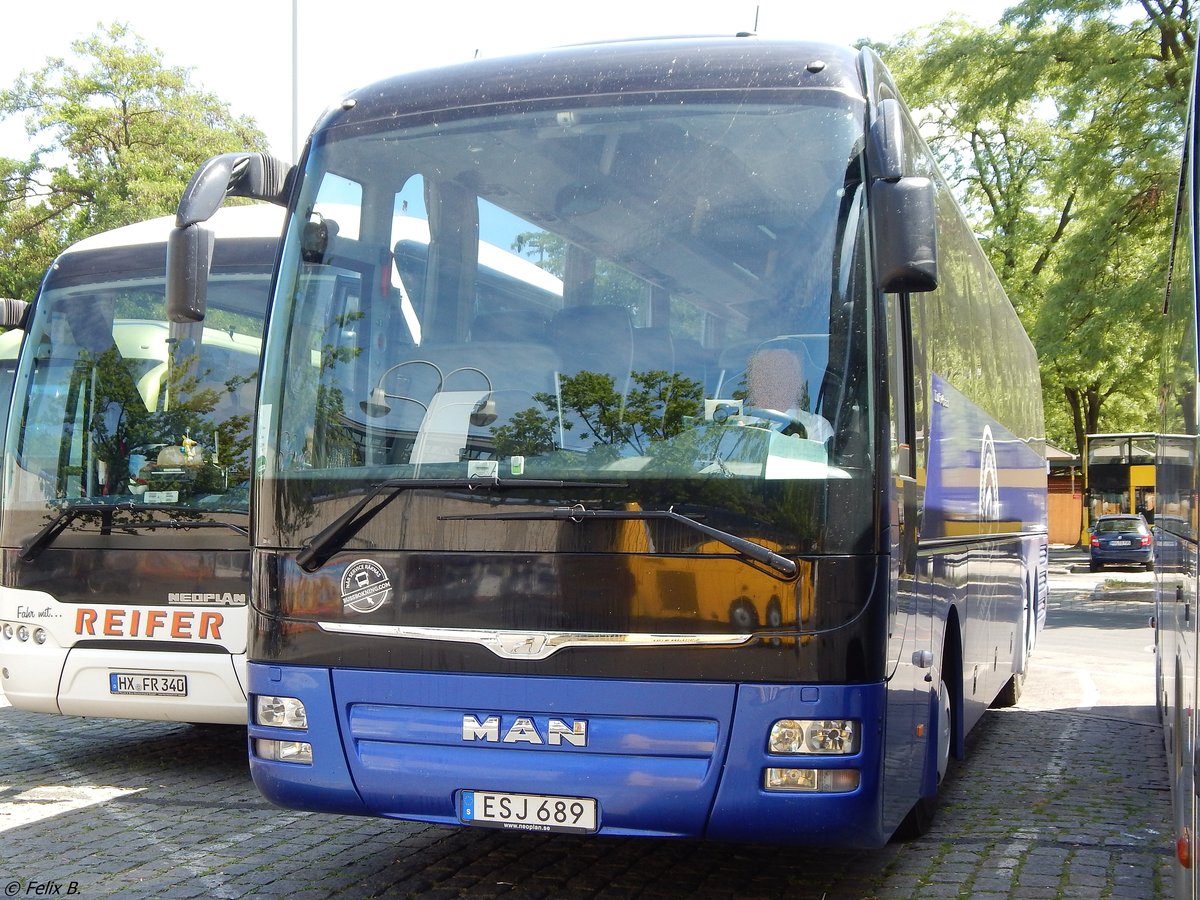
775, 415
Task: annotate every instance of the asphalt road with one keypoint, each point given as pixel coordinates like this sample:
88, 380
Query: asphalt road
1064, 796
1097, 652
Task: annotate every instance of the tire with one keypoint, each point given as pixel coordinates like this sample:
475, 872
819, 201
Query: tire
1093, 566
743, 616
1010, 694
774, 613
945, 731
774, 619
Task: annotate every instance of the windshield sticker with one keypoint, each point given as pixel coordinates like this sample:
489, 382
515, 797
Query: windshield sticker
483, 468
365, 586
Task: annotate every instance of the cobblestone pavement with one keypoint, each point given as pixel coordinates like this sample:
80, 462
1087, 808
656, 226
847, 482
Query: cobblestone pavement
1050, 803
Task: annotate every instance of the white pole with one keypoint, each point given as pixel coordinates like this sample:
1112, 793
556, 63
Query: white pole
295, 80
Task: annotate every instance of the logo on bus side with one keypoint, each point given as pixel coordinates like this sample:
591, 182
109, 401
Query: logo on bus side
211, 599
178, 624
989, 479
365, 586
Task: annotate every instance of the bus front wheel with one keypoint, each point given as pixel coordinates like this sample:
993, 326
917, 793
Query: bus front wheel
945, 731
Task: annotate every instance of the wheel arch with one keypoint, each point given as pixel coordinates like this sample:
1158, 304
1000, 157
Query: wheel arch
952, 674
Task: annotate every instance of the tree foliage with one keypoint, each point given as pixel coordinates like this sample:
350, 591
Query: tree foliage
1060, 128
656, 409
116, 133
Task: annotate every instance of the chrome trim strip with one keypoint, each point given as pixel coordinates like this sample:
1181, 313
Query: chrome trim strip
927, 546
535, 644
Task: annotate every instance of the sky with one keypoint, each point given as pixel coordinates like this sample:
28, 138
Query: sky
243, 52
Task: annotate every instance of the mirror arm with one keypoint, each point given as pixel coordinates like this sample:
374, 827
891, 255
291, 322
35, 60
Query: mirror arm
13, 313
257, 176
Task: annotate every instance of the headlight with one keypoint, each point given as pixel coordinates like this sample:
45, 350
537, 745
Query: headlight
816, 781
7, 631
22, 633
280, 712
817, 736
284, 751
838, 736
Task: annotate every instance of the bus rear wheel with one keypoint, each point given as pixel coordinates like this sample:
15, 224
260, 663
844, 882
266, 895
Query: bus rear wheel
1010, 694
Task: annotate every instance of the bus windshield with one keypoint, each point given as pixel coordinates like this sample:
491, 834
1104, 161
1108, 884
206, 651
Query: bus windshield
115, 406
664, 290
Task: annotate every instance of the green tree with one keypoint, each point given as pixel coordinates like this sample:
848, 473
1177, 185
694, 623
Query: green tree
1060, 129
117, 134
529, 432
655, 410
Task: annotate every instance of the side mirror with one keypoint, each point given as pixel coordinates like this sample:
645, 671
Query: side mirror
905, 234
258, 176
189, 257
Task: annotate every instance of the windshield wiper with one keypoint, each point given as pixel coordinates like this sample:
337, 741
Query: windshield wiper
32, 548
329, 540
183, 524
578, 513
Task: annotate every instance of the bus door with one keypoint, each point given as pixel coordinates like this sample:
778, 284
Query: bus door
908, 664
1143, 496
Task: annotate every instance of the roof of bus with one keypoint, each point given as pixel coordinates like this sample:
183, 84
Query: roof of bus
251, 221
673, 64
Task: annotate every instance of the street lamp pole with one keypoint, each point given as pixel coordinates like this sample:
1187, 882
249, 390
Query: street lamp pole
295, 80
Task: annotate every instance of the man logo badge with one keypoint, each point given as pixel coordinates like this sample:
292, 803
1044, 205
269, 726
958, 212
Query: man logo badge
525, 730
365, 586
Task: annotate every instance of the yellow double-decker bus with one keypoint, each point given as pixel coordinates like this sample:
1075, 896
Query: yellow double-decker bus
1118, 476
